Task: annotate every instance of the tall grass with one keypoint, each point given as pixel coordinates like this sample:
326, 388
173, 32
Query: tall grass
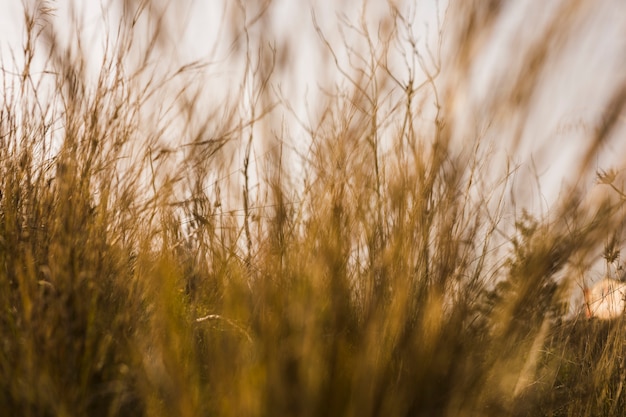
164, 255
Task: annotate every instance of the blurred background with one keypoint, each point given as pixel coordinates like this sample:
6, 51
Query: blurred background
310, 208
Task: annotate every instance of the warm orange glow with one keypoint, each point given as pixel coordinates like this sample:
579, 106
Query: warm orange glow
605, 300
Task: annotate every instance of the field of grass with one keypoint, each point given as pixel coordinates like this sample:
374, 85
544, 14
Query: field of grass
170, 249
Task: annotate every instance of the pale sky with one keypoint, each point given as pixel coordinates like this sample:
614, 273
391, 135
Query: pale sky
585, 66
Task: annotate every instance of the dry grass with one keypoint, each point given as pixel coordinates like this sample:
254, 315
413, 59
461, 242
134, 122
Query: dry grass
160, 255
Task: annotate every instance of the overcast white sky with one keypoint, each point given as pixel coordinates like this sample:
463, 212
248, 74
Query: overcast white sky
588, 66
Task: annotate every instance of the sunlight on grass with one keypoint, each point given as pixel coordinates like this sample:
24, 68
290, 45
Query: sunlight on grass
382, 249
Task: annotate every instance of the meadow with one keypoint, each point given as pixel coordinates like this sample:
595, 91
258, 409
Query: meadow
171, 246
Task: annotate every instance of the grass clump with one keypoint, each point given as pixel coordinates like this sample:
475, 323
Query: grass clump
161, 255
